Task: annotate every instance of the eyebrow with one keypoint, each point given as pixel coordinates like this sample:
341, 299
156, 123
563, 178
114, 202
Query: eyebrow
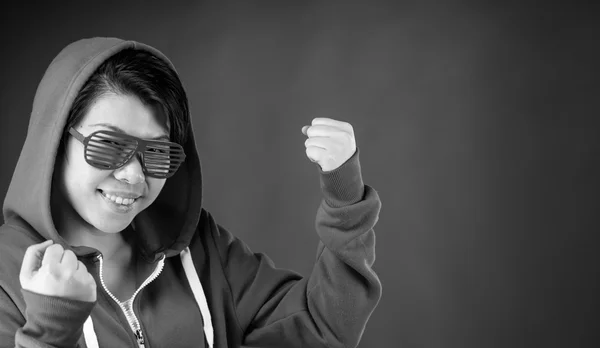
117, 129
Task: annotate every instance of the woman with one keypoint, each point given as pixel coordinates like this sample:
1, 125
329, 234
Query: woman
106, 244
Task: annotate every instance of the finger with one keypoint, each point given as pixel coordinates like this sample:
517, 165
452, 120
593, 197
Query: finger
33, 257
81, 268
324, 131
69, 261
315, 154
333, 123
83, 275
53, 255
321, 142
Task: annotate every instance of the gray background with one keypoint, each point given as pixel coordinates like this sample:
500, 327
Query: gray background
475, 124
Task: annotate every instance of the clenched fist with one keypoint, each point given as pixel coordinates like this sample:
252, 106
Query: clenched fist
330, 143
48, 269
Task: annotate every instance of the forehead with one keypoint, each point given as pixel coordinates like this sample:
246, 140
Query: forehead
128, 113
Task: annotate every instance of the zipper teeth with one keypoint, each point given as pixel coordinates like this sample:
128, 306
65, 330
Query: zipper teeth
127, 306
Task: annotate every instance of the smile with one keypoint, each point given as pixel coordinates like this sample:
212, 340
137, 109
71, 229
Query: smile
118, 199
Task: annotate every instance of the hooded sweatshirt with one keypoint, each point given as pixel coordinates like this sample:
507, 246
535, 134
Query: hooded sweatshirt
208, 289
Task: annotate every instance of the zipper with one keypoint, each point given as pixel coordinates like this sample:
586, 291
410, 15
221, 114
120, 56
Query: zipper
127, 306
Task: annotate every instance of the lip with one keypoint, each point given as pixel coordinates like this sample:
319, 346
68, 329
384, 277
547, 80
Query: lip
115, 207
122, 194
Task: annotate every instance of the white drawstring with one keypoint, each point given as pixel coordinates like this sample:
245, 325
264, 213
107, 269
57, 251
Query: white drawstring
89, 334
91, 341
192, 276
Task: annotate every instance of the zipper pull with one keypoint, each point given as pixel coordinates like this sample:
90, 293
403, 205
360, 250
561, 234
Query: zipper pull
140, 338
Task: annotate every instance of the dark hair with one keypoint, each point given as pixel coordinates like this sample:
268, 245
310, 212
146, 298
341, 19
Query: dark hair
141, 74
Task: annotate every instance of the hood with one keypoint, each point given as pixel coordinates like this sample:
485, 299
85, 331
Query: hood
168, 224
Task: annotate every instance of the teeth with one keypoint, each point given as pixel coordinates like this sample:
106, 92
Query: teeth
119, 200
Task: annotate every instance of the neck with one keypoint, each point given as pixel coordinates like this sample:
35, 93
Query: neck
113, 246
78, 232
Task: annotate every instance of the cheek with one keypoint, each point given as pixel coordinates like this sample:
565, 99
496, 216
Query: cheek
155, 186
79, 178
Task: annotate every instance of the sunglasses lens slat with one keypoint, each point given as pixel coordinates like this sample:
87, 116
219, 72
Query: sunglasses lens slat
112, 146
110, 153
112, 157
112, 137
102, 164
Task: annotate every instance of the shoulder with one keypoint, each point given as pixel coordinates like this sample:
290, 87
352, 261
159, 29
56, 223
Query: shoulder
14, 240
209, 231
213, 241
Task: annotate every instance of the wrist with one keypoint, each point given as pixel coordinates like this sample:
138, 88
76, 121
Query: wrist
344, 185
54, 320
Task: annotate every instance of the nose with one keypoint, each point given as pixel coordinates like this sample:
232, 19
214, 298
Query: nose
132, 172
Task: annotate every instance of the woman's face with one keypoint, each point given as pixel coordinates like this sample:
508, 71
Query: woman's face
109, 199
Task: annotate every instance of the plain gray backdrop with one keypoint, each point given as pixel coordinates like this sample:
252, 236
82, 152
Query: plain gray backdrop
475, 124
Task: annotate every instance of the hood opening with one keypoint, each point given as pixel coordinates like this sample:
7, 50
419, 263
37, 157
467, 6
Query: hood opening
166, 226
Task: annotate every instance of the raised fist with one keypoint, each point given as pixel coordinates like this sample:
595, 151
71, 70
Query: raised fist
330, 143
49, 269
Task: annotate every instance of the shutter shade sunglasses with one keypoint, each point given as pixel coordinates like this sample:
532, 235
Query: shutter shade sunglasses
111, 150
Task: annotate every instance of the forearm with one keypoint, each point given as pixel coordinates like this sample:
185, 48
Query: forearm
331, 307
52, 321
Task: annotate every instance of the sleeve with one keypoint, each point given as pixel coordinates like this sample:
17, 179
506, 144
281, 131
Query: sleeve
49, 321
331, 307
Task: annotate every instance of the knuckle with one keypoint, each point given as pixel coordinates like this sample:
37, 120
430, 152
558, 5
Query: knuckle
57, 248
347, 137
81, 266
53, 272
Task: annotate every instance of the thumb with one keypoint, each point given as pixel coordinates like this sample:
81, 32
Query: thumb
33, 258
304, 129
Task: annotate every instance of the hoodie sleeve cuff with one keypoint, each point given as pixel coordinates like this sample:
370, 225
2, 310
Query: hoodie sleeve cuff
344, 185
53, 320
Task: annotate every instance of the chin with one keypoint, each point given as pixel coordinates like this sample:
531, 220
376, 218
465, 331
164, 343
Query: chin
110, 226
